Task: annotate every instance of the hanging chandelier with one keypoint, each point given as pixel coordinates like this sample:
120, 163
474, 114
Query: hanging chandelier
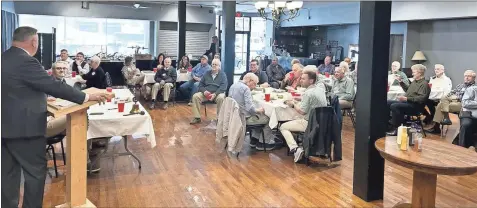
280, 10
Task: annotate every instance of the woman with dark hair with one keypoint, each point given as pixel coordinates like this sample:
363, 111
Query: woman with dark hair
160, 60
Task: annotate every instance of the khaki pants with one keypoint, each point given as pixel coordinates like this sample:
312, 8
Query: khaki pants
136, 80
197, 99
344, 104
267, 131
295, 126
166, 90
55, 126
447, 104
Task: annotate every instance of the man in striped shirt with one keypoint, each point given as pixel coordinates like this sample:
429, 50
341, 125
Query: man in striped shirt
451, 103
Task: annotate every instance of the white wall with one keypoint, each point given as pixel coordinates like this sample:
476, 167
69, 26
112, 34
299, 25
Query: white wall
404, 11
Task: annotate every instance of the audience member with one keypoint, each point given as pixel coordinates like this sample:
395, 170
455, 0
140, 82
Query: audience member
191, 86
132, 74
353, 75
275, 73
440, 85
295, 61
241, 93
55, 126
396, 76
64, 57
80, 66
327, 67
343, 87
96, 76
262, 75
165, 79
414, 100
347, 60
183, 70
292, 79
468, 117
212, 87
313, 97
160, 61
214, 47
345, 66
451, 102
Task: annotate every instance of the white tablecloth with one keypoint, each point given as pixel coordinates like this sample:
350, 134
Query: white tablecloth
149, 77
395, 91
276, 109
71, 81
112, 123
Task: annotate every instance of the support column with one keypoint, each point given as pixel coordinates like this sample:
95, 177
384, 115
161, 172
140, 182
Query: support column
181, 28
228, 40
371, 107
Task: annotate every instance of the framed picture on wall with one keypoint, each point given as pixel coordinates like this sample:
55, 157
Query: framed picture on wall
353, 52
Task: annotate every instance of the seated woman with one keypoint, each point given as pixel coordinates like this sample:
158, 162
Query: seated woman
132, 74
292, 79
183, 70
395, 75
345, 66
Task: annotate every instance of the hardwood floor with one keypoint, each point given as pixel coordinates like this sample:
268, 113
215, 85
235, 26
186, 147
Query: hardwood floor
188, 169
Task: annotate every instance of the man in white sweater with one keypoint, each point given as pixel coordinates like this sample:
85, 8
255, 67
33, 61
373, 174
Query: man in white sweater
440, 86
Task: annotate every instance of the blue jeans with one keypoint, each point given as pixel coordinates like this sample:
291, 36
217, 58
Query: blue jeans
190, 86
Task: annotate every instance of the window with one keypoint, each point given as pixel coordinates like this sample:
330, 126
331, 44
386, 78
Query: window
257, 37
92, 35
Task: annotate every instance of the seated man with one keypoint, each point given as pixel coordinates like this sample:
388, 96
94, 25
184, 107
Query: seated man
413, 101
165, 79
313, 97
197, 73
262, 76
56, 126
451, 103
275, 73
292, 79
327, 67
343, 87
212, 87
96, 76
440, 85
80, 66
241, 93
132, 74
468, 117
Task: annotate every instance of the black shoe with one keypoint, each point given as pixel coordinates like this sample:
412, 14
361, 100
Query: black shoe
446, 121
195, 121
253, 142
261, 146
434, 130
392, 133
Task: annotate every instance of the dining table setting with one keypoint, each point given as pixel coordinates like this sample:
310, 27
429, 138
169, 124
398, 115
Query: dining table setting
273, 102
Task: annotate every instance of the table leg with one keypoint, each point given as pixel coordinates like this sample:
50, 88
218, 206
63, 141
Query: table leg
424, 189
130, 153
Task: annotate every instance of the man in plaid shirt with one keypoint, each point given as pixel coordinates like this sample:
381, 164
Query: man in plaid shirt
451, 103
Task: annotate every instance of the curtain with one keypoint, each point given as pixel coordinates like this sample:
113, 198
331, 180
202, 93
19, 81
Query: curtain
9, 24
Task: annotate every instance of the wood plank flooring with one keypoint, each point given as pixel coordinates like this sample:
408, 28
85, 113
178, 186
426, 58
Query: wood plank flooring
188, 169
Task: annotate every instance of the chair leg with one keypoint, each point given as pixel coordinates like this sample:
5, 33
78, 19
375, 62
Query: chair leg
63, 152
205, 110
351, 115
54, 160
263, 140
422, 127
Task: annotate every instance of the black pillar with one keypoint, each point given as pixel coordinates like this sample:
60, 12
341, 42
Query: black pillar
228, 39
371, 108
181, 28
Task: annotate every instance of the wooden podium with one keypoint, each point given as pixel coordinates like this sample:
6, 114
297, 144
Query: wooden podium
76, 147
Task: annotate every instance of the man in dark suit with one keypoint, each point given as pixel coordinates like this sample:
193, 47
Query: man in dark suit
25, 85
214, 48
96, 76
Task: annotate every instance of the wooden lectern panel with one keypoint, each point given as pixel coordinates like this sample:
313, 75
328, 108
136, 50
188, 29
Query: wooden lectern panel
62, 107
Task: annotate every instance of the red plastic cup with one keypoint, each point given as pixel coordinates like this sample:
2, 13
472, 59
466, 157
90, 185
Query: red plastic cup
120, 106
267, 97
109, 89
292, 75
294, 94
155, 69
73, 74
430, 85
189, 69
49, 73
327, 75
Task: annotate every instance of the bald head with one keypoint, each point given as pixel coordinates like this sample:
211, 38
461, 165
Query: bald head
26, 38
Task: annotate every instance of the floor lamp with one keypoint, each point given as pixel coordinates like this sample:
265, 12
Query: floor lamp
419, 57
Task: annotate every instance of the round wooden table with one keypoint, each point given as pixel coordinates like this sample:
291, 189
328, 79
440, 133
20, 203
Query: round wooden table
436, 157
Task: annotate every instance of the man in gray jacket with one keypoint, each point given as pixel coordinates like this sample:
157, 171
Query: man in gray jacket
25, 85
212, 87
468, 117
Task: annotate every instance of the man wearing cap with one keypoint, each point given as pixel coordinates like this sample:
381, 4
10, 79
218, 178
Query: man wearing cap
198, 72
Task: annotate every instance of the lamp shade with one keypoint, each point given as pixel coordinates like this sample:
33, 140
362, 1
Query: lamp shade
419, 56
261, 4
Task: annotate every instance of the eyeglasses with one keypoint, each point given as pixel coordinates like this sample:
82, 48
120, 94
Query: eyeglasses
64, 68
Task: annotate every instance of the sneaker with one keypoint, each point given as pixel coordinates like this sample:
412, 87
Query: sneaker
189, 104
261, 147
195, 121
446, 122
299, 154
253, 142
164, 106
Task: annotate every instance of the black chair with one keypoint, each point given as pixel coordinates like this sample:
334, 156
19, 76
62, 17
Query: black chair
350, 112
445, 128
50, 141
416, 118
257, 127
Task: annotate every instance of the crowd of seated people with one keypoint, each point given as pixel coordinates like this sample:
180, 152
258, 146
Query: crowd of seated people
192, 85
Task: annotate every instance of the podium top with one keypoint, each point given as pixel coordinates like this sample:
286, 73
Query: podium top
61, 107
